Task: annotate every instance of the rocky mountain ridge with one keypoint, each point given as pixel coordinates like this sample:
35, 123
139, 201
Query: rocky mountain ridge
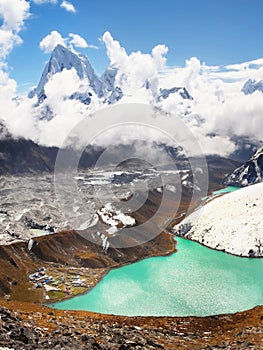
249, 173
104, 87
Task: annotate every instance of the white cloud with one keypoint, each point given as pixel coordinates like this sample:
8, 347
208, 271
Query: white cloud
219, 107
14, 13
41, 2
8, 39
49, 42
68, 6
67, 112
218, 111
116, 53
218, 100
158, 53
56, 89
17, 114
245, 65
136, 69
77, 40
14, 111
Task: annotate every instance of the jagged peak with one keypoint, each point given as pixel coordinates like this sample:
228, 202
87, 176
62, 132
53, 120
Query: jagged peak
252, 85
61, 47
64, 58
165, 93
249, 173
60, 51
108, 78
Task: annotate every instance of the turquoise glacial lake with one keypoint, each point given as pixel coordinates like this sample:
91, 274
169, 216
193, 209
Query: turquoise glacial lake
194, 281
227, 189
224, 190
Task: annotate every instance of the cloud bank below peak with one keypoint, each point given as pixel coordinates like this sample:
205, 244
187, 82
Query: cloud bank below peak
218, 111
136, 69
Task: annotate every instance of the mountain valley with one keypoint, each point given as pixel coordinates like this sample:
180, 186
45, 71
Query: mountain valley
58, 242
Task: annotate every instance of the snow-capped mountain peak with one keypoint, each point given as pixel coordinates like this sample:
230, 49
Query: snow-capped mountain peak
251, 86
112, 93
165, 93
108, 78
64, 58
103, 90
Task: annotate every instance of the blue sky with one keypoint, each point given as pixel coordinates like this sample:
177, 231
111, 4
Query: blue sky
225, 34
218, 32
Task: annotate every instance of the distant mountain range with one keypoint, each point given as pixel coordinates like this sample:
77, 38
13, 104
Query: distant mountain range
25, 156
18, 156
21, 155
104, 87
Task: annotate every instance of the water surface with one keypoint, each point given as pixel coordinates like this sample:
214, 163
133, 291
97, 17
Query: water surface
227, 189
194, 281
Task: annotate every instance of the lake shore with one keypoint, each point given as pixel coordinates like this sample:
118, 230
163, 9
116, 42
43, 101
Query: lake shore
66, 254
77, 328
230, 223
195, 281
34, 326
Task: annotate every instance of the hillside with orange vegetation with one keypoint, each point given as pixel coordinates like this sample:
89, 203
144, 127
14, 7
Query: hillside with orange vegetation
29, 326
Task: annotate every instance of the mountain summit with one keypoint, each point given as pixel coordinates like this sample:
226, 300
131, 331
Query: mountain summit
104, 87
63, 58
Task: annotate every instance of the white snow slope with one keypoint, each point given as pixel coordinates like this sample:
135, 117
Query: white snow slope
232, 223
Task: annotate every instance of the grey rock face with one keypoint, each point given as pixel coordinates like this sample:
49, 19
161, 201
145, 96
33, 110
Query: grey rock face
251, 86
249, 173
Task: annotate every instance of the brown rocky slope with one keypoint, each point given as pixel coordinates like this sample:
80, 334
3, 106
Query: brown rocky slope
28, 326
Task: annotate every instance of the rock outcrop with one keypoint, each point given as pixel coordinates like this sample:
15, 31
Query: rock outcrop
251, 172
27, 326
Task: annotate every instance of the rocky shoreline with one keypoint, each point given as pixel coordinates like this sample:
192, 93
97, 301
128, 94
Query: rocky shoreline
64, 254
28, 326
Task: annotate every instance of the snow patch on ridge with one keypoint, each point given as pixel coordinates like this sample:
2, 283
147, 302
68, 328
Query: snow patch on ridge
248, 173
115, 218
232, 223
